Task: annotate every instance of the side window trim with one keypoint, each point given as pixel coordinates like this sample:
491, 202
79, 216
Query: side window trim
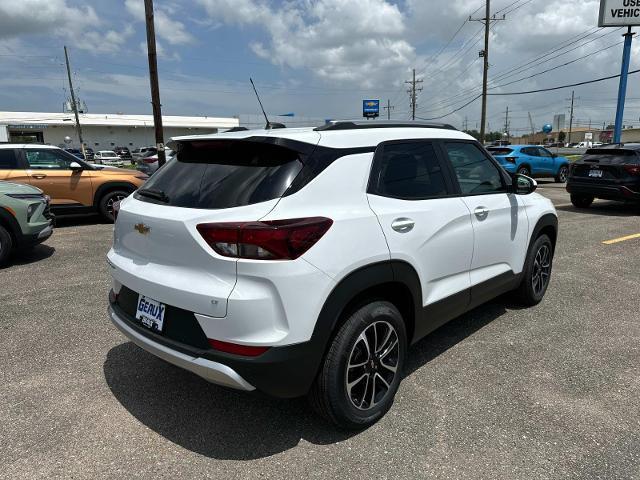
488, 156
373, 185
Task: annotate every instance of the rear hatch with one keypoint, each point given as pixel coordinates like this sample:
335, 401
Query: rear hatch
158, 251
605, 165
503, 155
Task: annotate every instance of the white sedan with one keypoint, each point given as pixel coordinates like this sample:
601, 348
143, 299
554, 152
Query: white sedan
108, 157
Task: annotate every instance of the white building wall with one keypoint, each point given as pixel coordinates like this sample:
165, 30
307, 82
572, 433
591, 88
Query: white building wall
106, 138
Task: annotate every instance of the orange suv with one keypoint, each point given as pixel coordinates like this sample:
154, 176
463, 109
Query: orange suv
74, 186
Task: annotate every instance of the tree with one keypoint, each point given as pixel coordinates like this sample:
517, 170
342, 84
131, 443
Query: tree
562, 137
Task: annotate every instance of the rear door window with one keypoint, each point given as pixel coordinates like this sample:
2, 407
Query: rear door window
223, 174
8, 159
409, 171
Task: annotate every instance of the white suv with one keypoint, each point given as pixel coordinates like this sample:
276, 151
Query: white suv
306, 261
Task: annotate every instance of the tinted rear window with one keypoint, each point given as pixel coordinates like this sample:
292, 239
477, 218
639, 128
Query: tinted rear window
610, 156
224, 174
500, 151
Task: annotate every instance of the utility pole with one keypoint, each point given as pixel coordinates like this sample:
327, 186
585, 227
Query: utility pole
413, 93
153, 78
571, 116
388, 108
506, 123
73, 102
486, 20
465, 126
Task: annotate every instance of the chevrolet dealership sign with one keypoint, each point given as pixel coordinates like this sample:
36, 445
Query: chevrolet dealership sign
619, 13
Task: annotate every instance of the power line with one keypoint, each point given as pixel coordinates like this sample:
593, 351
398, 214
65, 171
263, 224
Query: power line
602, 79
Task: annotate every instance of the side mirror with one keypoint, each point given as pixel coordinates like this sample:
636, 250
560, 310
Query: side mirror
75, 166
523, 185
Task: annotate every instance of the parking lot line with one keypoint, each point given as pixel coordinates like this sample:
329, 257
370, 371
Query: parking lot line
622, 239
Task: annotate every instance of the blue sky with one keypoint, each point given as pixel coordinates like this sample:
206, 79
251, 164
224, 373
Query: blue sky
317, 58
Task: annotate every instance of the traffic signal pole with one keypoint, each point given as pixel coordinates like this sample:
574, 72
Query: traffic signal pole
622, 89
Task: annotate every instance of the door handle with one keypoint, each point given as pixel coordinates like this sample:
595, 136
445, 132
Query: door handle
403, 225
39, 176
481, 213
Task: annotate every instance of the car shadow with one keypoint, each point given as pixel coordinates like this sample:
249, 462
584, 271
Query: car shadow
609, 209
226, 424
29, 256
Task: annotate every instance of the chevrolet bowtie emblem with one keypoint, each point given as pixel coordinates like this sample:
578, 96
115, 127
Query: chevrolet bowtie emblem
142, 228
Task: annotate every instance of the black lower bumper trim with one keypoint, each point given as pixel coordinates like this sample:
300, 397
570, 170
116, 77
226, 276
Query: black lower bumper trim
284, 372
606, 192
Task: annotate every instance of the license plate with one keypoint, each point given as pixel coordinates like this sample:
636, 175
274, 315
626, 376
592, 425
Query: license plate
150, 312
595, 173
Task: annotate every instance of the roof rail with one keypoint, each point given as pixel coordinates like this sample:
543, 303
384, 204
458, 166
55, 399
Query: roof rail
361, 125
236, 129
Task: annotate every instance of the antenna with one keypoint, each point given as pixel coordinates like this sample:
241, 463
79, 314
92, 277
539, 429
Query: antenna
268, 126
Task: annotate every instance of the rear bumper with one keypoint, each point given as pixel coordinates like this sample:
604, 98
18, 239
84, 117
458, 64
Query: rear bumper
284, 372
607, 192
211, 371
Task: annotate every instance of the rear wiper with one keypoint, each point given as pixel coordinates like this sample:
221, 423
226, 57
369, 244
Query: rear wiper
154, 193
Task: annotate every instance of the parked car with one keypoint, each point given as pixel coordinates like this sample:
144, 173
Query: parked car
75, 152
307, 261
108, 157
88, 153
140, 152
123, 153
73, 184
149, 162
611, 173
532, 161
25, 219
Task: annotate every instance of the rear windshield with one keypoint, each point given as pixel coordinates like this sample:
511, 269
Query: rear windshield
610, 156
223, 174
500, 151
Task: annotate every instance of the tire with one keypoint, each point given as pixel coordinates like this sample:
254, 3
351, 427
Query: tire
106, 203
524, 171
6, 244
562, 175
537, 272
347, 361
581, 201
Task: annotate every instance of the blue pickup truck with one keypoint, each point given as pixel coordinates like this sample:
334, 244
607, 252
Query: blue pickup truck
531, 160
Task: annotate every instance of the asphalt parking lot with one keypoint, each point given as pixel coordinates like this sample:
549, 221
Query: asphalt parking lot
502, 392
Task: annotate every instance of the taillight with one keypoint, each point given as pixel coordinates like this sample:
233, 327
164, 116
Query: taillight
270, 240
511, 159
633, 169
150, 159
244, 350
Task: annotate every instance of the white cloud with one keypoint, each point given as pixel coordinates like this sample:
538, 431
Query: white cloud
352, 41
172, 31
81, 26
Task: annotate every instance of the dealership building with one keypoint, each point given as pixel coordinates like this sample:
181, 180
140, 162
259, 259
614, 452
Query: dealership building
102, 131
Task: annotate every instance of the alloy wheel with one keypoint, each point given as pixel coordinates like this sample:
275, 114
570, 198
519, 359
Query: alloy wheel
115, 198
373, 365
541, 270
562, 174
